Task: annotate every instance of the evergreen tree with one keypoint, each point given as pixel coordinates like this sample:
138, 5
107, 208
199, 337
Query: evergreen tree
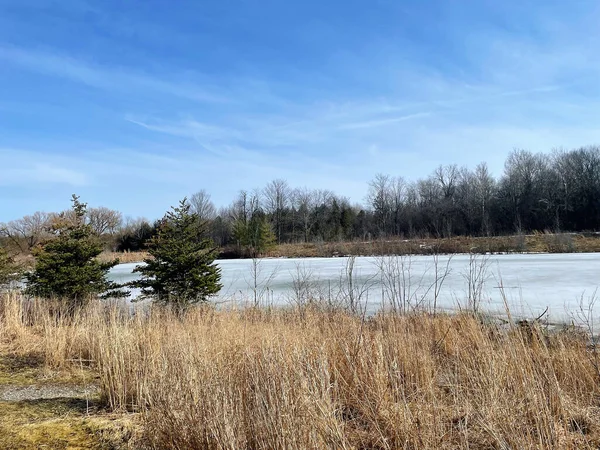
254, 235
9, 270
67, 266
180, 270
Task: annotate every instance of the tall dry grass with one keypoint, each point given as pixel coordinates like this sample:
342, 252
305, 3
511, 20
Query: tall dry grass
537, 242
307, 378
123, 257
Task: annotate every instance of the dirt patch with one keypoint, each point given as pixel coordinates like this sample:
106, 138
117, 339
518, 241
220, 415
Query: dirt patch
47, 391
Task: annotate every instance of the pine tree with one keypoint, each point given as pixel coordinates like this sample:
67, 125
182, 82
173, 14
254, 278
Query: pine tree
9, 270
254, 235
67, 266
180, 270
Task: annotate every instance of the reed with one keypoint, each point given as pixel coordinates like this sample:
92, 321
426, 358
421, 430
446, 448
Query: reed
314, 378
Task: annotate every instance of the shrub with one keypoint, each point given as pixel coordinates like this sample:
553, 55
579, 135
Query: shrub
180, 270
559, 243
10, 271
66, 266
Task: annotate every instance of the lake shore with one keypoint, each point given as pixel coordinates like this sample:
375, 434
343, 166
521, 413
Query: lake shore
533, 243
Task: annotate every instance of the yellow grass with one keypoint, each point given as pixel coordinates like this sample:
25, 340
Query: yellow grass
537, 242
123, 257
320, 379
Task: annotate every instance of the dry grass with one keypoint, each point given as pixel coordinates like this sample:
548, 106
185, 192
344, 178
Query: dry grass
314, 379
123, 257
537, 242
59, 424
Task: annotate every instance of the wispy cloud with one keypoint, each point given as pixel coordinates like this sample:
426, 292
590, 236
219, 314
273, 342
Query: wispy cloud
329, 115
24, 168
382, 122
111, 78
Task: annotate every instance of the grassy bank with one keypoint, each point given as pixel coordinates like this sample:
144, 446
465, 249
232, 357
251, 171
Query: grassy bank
534, 243
310, 378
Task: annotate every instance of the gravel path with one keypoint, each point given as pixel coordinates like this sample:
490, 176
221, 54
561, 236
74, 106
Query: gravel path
46, 391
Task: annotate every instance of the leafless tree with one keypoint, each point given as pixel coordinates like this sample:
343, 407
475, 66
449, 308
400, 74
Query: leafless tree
379, 198
447, 177
441, 272
29, 231
303, 201
276, 197
104, 220
485, 187
527, 192
245, 205
203, 205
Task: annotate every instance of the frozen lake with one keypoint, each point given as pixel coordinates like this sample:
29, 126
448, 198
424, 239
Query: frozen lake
529, 283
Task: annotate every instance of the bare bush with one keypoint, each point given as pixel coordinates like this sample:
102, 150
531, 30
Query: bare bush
260, 282
559, 242
305, 286
353, 291
475, 275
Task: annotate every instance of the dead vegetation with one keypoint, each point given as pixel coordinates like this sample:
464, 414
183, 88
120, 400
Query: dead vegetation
533, 243
123, 257
300, 378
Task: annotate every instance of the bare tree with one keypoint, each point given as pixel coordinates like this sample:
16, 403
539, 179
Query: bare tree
29, 231
244, 206
485, 187
203, 205
401, 290
523, 193
397, 203
303, 201
447, 177
104, 220
276, 196
379, 198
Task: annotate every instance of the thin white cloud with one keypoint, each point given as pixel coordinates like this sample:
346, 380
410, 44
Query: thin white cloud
511, 92
21, 170
383, 122
110, 78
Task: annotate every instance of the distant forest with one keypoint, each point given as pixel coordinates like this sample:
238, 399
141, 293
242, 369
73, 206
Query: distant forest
558, 191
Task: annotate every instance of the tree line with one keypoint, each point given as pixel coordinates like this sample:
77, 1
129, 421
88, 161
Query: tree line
557, 191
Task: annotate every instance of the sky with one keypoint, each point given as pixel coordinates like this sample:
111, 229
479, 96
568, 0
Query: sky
135, 104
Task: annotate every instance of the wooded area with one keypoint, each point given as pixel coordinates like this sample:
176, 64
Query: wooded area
553, 192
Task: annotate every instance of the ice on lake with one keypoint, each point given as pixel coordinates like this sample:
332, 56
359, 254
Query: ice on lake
529, 283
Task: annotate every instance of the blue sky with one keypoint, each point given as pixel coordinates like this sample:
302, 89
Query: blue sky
135, 104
